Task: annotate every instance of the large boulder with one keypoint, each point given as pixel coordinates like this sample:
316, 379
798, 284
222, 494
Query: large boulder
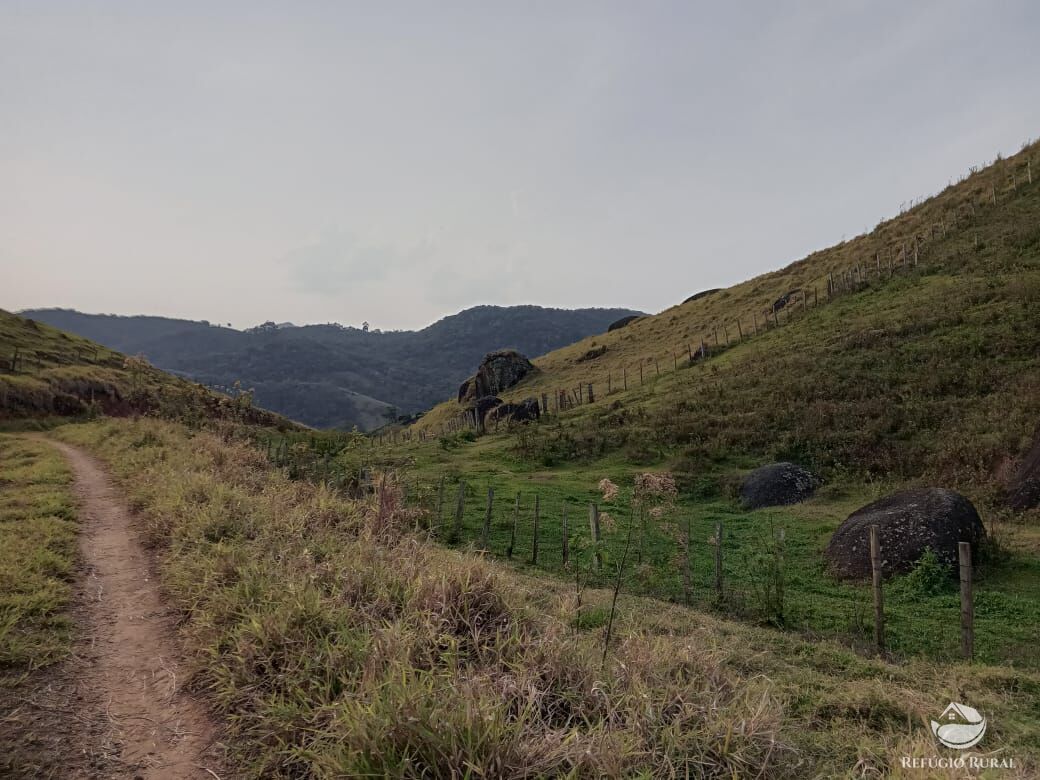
909, 522
776, 485
1024, 490
485, 405
498, 371
525, 411
467, 392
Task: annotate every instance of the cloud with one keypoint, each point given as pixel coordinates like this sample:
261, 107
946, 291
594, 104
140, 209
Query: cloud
338, 261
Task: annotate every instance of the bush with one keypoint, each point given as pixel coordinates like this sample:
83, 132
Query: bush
929, 577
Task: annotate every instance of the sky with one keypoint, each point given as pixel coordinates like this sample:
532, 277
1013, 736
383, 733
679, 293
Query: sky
397, 162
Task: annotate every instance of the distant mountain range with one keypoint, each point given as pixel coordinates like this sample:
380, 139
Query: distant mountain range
332, 376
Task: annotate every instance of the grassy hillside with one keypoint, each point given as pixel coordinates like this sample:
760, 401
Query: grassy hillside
927, 370
48, 373
331, 376
337, 642
925, 373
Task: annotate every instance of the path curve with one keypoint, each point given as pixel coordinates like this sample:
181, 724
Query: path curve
161, 731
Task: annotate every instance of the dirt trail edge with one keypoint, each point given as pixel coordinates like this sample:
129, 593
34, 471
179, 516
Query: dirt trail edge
133, 672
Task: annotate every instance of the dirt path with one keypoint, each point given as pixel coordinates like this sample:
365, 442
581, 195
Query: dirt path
128, 661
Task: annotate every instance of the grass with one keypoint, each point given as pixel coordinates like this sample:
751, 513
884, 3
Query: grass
927, 376
337, 642
930, 374
37, 554
814, 603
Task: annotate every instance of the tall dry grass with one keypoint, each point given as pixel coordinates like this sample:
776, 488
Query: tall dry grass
338, 644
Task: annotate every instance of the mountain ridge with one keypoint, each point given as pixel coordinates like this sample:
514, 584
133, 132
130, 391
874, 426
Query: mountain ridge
336, 376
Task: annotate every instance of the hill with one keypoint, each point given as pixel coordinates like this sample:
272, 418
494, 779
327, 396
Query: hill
331, 634
908, 352
907, 357
331, 376
46, 372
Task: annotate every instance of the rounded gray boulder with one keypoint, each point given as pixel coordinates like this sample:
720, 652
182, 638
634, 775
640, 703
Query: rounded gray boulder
909, 522
776, 485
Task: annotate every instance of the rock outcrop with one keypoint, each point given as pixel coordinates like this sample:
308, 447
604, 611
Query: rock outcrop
485, 405
525, 411
498, 371
776, 485
592, 354
618, 324
909, 522
784, 299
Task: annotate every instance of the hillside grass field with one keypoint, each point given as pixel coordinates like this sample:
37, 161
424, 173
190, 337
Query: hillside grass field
925, 374
343, 614
922, 609
337, 642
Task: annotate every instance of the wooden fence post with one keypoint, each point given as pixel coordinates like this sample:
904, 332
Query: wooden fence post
512, 532
624, 373
879, 603
565, 532
460, 505
485, 533
592, 398
740, 330
718, 561
594, 529
640, 372
534, 546
967, 607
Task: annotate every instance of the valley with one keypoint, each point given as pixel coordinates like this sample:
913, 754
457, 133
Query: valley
585, 593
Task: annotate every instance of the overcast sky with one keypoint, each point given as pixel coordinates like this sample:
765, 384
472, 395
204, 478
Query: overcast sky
396, 162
